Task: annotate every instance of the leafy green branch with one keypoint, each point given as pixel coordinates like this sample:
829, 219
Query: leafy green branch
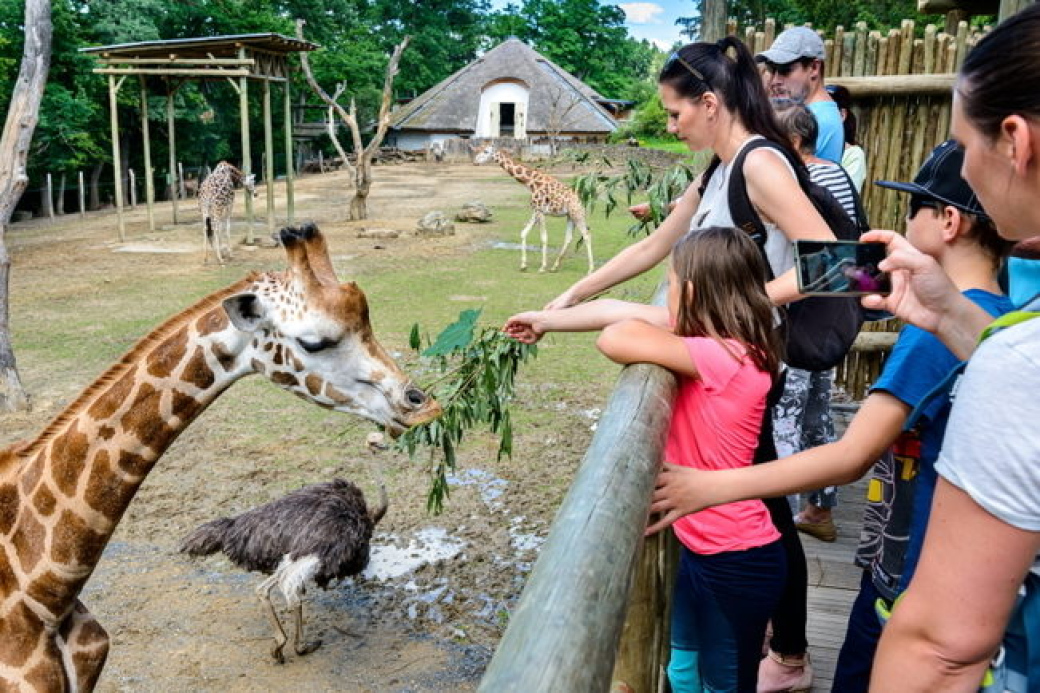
637, 177
475, 386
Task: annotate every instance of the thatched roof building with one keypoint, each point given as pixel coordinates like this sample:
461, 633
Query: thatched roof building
510, 91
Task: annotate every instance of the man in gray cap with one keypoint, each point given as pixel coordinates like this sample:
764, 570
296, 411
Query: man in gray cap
795, 69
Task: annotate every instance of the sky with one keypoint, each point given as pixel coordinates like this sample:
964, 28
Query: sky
653, 20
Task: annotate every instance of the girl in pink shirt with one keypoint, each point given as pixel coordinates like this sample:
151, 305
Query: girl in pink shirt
717, 335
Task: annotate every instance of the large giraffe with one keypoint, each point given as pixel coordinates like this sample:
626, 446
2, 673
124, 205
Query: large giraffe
217, 202
62, 494
548, 196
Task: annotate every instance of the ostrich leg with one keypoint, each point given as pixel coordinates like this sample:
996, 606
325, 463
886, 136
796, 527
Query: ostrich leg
263, 591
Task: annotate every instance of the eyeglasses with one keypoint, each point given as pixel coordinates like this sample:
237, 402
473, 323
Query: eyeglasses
675, 57
918, 202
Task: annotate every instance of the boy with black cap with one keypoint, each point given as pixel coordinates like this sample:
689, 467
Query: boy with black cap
794, 70
946, 221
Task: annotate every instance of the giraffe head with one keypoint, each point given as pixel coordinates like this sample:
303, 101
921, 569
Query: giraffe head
311, 335
249, 183
485, 155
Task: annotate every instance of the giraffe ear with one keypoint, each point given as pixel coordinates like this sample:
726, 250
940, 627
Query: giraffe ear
245, 311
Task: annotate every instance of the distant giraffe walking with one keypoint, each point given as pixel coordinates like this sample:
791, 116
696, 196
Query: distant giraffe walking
548, 196
217, 202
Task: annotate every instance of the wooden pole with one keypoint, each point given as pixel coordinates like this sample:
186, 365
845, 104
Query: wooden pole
113, 104
247, 159
290, 200
897, 85
82, 197
149, 190
268, 158
172, 140
180, 181
132, 186
59, 203
50, 198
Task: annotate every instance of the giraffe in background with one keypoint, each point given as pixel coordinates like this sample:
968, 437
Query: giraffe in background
217, 202
548, 196
63, 493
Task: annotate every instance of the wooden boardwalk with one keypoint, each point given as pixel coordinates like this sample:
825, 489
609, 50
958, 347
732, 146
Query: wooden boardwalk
833, 580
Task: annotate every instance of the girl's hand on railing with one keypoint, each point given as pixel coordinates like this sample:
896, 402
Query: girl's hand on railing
525, 327
679, 491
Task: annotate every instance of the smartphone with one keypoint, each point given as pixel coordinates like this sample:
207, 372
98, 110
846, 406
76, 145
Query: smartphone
840, 268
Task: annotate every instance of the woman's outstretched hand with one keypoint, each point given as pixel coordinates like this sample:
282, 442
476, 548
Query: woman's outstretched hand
679, 491
921, 294
525, 327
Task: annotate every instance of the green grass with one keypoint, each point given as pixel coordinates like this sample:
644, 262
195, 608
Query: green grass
668, 144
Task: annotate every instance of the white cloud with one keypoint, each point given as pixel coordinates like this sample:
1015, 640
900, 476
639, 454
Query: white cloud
642, 12
662, 44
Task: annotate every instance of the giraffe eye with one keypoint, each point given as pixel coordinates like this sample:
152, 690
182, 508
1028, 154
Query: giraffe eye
314, 347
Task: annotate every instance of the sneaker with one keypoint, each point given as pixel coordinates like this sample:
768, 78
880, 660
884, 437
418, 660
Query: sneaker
780, 674
824, 530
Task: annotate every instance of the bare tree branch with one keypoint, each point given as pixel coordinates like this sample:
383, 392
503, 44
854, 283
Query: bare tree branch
362, 171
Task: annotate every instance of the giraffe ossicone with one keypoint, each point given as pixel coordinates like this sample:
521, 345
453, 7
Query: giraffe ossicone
217, 203
548, 196
63, 493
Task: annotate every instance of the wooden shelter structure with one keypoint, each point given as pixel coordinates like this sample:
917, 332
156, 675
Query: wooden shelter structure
236, 58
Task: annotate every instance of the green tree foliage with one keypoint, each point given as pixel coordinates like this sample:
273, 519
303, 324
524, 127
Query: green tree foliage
586, 37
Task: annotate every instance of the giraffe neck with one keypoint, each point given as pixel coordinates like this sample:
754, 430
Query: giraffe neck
74, 482
525, 174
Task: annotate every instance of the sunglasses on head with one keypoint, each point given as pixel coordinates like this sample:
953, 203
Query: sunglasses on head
675, 57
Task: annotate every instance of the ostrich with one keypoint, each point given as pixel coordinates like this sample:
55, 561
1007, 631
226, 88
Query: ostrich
317, 533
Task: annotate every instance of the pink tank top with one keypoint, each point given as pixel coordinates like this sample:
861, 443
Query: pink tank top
715, 425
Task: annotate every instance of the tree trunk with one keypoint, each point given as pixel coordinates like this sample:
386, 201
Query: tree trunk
362, 185
22, 116
95, 186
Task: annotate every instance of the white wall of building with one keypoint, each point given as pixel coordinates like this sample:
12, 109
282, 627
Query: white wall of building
501, 92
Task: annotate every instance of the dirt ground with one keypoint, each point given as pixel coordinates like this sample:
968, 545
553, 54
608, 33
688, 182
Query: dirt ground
427, 614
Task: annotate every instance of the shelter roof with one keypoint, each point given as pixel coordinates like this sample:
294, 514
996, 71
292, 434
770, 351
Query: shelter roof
205, 46
452, 105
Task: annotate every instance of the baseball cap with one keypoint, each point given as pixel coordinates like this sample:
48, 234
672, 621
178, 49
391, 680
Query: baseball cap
940, 179
794, 44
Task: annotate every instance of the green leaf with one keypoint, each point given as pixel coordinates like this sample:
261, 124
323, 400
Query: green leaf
413, 337
455, 336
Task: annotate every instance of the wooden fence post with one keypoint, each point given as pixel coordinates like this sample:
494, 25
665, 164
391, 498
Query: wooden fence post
82, 197
180, 181
50, 198
59, 205
133, 187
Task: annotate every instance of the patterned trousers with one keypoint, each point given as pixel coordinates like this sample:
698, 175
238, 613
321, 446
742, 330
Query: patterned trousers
802, 420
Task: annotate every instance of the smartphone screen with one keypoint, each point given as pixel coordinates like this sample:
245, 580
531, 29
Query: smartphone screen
840, 268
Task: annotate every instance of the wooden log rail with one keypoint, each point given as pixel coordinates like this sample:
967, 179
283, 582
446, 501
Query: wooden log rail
564, 633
